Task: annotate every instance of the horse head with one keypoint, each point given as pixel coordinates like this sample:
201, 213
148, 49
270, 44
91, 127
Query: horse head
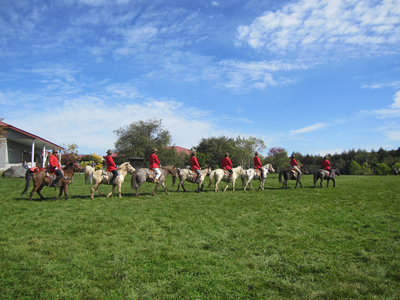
304, 169
337, 172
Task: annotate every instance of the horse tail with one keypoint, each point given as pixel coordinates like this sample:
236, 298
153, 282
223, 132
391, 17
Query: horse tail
243, 180
28, 181
280, 175
133, 180
211, 178
315, 176
86, 175
174, 180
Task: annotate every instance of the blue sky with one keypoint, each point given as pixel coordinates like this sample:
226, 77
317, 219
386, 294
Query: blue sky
311, 76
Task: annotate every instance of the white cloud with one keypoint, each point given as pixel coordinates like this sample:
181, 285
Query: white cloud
311, 128
392, 112
214, 3
393, 135
323, 24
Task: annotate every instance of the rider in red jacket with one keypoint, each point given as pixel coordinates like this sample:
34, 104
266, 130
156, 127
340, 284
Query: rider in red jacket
326, 165
294, 164
111, 166
55, 167
227, 164
154, 163
257, 164
194, 166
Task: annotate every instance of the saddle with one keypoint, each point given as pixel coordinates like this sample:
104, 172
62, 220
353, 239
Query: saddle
151, 175
52, 177
294, 171
194, 174
227, 174
326, 173
109, 176
258, 172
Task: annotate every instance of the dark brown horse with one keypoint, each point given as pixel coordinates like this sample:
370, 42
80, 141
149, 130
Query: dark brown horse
288, 175
41, 180
142, 175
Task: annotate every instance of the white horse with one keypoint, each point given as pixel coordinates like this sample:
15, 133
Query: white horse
99, 178
219, 175
89, 174
185, 174
251, 174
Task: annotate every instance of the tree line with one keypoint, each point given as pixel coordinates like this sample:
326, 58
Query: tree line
137, 140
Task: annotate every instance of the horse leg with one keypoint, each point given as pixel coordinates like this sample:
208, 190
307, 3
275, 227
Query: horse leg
179, 185
216, 189
94, 188
333, 180
261, 184
112, 191
35, 188
38, 191
59, 194
137, 187
183, 186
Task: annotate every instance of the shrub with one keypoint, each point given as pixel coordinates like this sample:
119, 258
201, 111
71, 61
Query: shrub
355, 168
381, 169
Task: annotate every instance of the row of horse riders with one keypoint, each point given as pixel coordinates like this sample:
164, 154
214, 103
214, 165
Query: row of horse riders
143, 175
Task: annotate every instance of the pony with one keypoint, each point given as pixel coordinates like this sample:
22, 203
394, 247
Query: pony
322, 174
89, 174
100, 178
220, 174
186, 174
41, 179
142, 175
251, 174
288, 175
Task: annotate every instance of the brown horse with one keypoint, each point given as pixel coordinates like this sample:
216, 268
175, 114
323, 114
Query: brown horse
41, 180
142, 175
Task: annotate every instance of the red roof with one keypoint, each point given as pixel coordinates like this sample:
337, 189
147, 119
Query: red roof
180, 149
8, 126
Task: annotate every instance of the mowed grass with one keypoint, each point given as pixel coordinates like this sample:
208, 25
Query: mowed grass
329, 243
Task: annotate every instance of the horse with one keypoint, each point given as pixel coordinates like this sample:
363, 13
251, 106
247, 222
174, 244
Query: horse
89, 174
41, 179
288, 175
185, 174
142, 175
99, 178
252, 174
220, 174
322, 174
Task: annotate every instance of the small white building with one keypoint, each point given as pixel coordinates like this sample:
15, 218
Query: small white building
18, 146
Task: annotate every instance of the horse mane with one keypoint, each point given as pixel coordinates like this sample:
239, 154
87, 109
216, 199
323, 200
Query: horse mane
69, 165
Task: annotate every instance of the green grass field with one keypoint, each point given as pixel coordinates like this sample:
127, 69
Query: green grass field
329, 243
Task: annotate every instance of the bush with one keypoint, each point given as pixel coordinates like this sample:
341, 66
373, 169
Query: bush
355, 168
381, 169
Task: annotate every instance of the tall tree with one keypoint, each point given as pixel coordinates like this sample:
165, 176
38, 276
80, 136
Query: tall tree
215, 148
243, 152
137, 139
278, 157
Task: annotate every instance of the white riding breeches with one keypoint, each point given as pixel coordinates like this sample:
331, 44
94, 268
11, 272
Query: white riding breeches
158, 172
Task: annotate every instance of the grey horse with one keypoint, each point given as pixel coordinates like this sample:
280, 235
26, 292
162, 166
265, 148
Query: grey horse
142, 175
321, 174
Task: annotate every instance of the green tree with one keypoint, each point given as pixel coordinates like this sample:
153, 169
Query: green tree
137, 139
355, 168
92, 157
278, 157
366, 169
382, 169
243, 152
168, 156
215, 148
390, 160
